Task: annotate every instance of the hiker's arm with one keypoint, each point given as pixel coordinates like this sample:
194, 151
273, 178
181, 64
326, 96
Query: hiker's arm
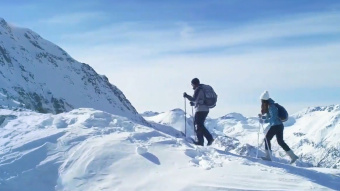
264, 118
189, 97
192, 98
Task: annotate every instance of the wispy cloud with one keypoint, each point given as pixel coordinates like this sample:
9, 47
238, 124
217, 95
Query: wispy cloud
74, 18
251, 57
180, 37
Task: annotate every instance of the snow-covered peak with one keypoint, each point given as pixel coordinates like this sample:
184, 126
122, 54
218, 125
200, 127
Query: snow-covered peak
234, 116
169, 117
2, 22
149, 113
178, 111
175, 118
309, 110
315, 134
41, 76
4, 27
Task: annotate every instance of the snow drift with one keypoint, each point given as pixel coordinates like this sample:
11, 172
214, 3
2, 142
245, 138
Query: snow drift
87, 149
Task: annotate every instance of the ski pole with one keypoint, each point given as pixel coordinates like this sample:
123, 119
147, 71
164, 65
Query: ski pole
265, 139
185, 117
258, 138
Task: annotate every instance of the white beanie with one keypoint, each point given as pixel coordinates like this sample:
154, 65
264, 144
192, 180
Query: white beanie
265, 95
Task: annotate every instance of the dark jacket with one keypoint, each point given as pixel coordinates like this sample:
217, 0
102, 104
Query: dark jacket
198, 99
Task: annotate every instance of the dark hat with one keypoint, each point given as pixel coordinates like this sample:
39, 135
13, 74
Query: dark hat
195, 81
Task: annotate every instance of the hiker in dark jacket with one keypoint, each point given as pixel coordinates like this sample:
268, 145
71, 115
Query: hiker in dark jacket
276, 127
201, 112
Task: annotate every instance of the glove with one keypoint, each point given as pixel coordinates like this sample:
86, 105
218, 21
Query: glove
192, 103
185, 94
261, 120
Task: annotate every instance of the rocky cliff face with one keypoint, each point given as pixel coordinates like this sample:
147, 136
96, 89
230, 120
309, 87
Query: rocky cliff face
38, 75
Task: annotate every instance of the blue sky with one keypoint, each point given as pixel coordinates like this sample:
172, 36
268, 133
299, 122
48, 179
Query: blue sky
152, 49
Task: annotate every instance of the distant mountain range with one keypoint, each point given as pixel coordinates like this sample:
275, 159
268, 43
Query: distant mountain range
313, 133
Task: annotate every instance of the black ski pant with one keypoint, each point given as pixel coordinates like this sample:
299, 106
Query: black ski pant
278, 131
201, 131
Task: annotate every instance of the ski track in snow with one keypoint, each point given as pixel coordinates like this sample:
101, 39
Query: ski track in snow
88, 150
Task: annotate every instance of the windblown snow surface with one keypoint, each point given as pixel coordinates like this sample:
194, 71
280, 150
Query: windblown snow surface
91, 150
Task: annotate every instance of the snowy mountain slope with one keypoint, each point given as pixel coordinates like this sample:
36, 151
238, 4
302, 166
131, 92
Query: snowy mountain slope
86, 150
316, 135
38, 75
313, 134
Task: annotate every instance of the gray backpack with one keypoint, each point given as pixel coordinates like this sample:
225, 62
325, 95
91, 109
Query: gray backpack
210, 97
